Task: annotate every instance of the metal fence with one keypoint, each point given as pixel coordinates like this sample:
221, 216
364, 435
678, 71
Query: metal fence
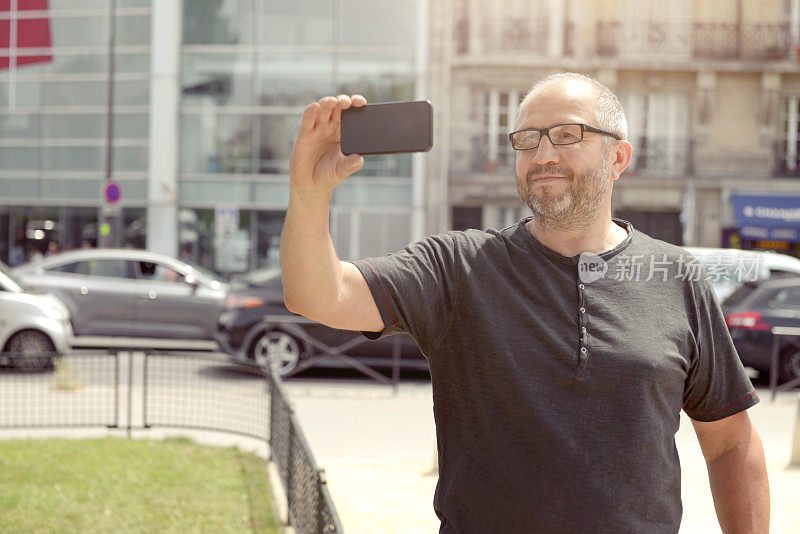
136, 390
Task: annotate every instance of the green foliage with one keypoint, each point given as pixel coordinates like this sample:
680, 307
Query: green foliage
118, 485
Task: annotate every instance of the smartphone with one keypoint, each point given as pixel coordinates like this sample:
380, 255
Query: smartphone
388, 128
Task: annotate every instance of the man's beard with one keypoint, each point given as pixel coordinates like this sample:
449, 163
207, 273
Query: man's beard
576, 206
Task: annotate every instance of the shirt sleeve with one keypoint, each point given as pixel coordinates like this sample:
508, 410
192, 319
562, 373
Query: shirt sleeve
717, 385
414, 289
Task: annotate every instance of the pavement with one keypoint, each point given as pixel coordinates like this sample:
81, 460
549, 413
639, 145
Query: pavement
378, 451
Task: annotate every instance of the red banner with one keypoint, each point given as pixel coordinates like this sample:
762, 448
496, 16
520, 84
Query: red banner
30, 33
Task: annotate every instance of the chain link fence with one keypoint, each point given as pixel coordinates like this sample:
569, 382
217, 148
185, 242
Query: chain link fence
135, 390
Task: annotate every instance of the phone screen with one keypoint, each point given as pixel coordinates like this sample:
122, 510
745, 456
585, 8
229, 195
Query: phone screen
388, 128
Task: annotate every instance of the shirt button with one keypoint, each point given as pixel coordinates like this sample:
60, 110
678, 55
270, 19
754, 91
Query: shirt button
583, 350
583, 329
583, 310
581, 286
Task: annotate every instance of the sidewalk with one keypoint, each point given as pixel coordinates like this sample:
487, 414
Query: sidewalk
378, 453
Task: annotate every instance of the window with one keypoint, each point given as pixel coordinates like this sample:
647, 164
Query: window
157, 272
658, 129
787, 297
107, 268
493, 150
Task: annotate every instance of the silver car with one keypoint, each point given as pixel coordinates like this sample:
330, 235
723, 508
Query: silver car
33, 327
131, 293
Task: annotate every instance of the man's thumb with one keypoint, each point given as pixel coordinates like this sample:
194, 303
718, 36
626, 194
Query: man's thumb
350, 164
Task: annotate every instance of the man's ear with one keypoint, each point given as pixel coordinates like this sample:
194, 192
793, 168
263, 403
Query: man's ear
622, 158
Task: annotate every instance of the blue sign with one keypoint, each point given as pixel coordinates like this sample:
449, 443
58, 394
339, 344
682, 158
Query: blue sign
765, 217
112, 192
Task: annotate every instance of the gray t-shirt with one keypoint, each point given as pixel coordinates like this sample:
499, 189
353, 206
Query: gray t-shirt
557, 395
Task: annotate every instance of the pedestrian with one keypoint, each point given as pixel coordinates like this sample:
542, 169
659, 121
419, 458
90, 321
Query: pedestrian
561, 349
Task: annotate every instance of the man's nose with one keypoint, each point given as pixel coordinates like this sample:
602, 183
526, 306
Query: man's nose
545, 152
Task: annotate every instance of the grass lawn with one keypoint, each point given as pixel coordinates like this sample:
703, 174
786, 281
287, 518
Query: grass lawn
121, 485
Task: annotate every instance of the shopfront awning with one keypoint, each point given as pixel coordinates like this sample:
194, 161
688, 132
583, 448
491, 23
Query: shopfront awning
768, 217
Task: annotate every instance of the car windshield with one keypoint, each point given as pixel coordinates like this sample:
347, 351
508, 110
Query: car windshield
8, 282
741, 293
205, 272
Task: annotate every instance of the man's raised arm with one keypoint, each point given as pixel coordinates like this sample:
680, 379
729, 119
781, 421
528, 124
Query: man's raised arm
315, 283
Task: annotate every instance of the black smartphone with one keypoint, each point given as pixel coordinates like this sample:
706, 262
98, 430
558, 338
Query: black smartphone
388, 128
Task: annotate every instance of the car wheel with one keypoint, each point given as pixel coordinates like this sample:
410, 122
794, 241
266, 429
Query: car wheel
27, 344
278, 346
789, 366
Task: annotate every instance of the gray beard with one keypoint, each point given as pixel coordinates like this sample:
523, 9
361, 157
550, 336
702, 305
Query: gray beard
576, 207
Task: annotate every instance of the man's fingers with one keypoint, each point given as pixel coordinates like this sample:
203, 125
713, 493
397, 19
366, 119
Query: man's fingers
358, 101
310, 116
344, 101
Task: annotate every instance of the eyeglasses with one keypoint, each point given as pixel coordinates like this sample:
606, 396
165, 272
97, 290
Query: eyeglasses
560, 134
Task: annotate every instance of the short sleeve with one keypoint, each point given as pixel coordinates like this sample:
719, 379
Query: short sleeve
414, 288
717, 385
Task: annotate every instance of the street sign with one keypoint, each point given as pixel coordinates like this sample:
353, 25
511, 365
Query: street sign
112, 193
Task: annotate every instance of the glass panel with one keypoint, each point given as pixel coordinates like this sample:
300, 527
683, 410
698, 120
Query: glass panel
377, 22
399, 226
215, 191
20, 126
270, 224
132, 30
371, 236
294, 79
28, 94
218, 22
216, 143
74, 126
19, 188
74, 93
85, 189
127, 159
131, 93
133, 190
272, 194
73, 159
19, 158
127, 126
87, 63
357, 194
380, 78
221, 79
80, 31
299, 22
277, 134
132, 63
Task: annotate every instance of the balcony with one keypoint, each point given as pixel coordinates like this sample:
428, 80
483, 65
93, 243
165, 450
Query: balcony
715, 41
520, 35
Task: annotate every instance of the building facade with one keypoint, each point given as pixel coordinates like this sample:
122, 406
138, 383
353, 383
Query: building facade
710, 89
191, 108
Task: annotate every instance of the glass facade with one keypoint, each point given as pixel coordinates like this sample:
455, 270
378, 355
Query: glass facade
247, 70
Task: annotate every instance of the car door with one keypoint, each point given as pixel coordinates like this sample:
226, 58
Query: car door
99, 294
171, 307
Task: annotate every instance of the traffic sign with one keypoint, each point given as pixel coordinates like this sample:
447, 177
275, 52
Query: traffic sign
112, 192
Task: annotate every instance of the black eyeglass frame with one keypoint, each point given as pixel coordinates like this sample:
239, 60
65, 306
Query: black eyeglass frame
546, 132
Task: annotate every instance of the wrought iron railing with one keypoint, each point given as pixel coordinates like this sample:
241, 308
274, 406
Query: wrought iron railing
134, 390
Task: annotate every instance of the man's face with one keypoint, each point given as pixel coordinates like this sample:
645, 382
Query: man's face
565, 186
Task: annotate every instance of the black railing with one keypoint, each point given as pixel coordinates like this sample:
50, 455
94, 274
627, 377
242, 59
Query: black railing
131, 390
699, 41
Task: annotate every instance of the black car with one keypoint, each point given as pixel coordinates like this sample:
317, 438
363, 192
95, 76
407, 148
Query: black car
245, 332
751, 312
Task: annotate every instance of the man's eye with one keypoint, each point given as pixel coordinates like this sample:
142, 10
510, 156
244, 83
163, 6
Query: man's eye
530, 139
566, 137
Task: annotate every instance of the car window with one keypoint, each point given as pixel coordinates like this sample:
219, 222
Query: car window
158, 272
740, 294
110, 268
787, 297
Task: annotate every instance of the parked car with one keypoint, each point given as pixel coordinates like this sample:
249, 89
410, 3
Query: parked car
730, 268
131, 293
244, 334
751, 312
34, 328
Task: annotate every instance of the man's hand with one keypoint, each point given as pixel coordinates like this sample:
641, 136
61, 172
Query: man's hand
317, 164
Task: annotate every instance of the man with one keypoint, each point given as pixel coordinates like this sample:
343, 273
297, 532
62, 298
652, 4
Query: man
558, 376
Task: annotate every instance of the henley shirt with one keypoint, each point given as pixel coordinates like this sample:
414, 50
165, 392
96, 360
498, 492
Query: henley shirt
557, 394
